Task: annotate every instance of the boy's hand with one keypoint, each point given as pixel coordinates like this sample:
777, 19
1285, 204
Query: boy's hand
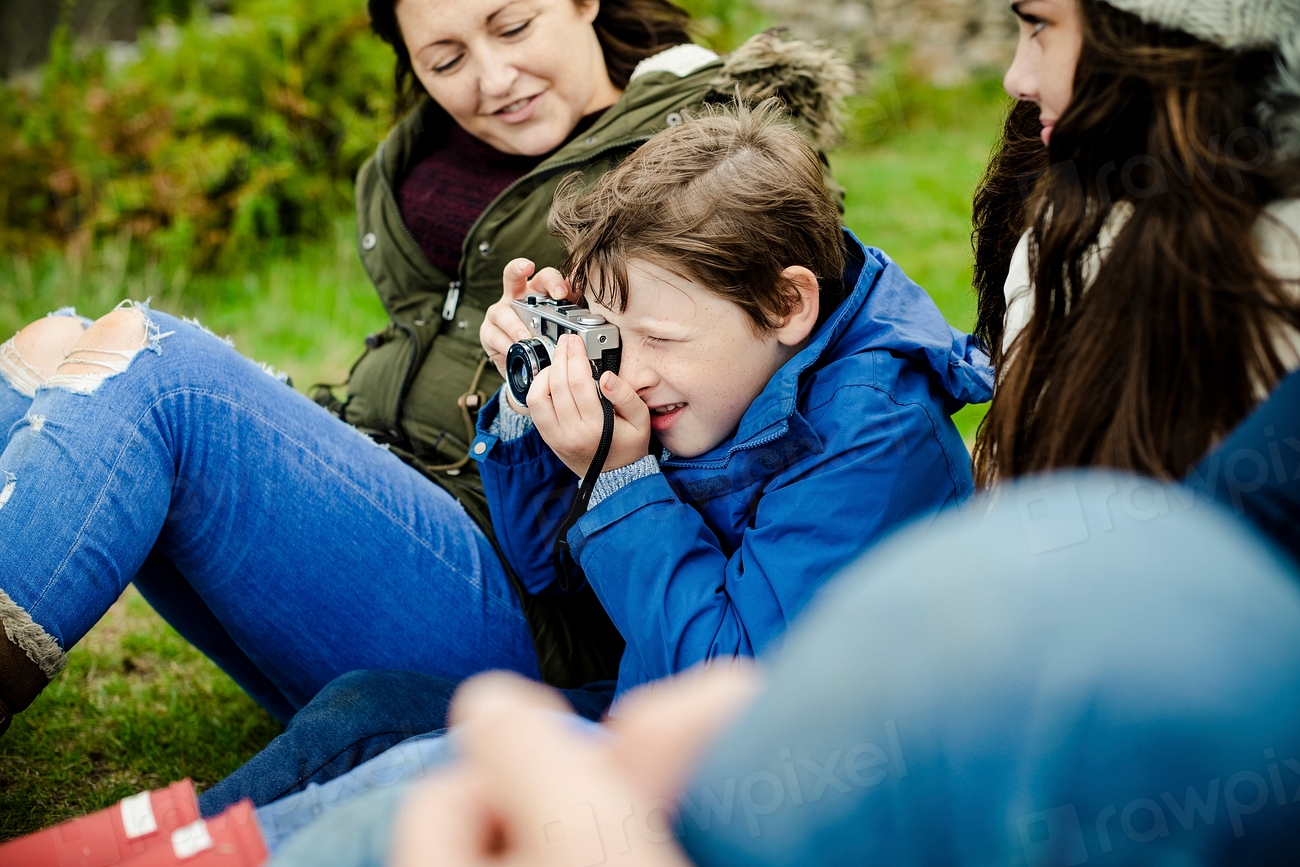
566, 408
502, 326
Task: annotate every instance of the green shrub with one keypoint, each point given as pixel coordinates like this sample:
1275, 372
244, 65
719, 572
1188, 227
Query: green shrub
225, 132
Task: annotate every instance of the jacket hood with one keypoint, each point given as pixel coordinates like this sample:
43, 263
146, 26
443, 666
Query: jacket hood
884, 310
808, 77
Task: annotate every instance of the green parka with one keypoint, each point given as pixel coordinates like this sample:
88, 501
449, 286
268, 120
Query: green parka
422, 379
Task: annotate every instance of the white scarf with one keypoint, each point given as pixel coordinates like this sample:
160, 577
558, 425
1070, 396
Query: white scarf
1277, 234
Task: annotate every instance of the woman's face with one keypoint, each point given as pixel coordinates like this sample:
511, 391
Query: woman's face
1051, 35
517, 74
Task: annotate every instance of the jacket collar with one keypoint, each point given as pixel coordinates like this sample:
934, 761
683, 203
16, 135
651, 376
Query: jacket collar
779, 400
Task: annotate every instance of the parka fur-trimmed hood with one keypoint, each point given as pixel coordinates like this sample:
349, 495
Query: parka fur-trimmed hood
808, 77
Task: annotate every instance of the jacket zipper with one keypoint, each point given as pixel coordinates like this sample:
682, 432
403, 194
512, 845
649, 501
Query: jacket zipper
717, 465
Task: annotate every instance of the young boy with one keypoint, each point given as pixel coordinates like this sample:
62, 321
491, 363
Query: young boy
800, 386
799, 383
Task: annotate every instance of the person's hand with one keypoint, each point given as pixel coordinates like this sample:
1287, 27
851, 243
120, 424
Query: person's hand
502, 326
533, 789
565, 406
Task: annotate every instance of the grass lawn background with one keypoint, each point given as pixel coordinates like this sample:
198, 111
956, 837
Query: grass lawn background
137, 706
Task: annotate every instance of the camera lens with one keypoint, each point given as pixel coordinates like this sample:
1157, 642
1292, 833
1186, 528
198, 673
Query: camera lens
524, 361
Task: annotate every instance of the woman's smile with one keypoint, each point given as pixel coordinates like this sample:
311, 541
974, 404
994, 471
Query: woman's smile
520, 110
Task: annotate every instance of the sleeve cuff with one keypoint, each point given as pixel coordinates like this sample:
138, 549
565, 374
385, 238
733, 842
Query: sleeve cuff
508, 424
610, 481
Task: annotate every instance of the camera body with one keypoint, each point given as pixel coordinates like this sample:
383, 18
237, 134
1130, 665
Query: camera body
549, 320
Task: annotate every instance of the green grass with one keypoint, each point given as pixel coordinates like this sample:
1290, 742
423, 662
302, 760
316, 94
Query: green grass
910, 193
137, 706
304, 311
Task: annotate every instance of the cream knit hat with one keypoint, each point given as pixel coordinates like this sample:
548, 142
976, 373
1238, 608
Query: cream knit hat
1232, 24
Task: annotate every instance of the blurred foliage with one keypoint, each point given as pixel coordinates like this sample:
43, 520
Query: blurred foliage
221, 134
219, 138
723, 24
893, 100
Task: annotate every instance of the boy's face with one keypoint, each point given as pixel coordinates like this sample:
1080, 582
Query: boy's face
692, 356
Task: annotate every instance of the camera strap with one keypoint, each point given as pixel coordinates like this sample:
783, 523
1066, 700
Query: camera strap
567, 573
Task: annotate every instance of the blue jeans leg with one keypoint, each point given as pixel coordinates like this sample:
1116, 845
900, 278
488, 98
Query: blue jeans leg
315, 550
167, 591
1018, 683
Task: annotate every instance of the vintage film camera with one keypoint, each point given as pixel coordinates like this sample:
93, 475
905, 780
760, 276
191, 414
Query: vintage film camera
549, 320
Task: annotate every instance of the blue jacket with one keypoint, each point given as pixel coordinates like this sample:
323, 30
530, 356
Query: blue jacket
716, 555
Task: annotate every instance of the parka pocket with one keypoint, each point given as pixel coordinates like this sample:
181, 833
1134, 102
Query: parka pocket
378, 381
431, 417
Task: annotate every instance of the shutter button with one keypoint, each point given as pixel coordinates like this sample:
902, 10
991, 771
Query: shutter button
483, 248
368, 241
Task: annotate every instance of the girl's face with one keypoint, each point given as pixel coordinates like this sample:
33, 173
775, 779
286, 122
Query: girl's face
517, 74
693, 356
1051, 35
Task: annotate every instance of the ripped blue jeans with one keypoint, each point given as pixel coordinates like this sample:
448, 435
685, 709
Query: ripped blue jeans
280, 541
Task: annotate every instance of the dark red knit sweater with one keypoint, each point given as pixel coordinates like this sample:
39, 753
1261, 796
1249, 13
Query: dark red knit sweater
445, 192
442, 196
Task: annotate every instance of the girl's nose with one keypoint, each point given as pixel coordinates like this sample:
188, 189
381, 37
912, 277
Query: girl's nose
1021, 80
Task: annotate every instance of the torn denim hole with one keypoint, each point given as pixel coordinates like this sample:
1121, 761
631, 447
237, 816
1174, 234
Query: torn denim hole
88, 383
113, 361
21, 630
21, 376
152, 336
7, 493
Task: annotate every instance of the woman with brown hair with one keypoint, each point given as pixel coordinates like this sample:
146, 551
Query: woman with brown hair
1152, 301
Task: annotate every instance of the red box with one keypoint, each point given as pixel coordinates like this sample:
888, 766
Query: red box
232, 839
114, 836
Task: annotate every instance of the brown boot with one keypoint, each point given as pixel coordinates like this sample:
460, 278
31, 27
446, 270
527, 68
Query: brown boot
21, 678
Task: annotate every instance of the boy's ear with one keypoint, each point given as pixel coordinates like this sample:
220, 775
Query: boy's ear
803, 319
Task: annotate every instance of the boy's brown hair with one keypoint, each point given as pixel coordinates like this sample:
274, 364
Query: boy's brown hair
728, 199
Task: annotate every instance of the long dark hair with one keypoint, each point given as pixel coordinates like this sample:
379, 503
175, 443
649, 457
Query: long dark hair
1172, 342
629, 31
1001, 216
